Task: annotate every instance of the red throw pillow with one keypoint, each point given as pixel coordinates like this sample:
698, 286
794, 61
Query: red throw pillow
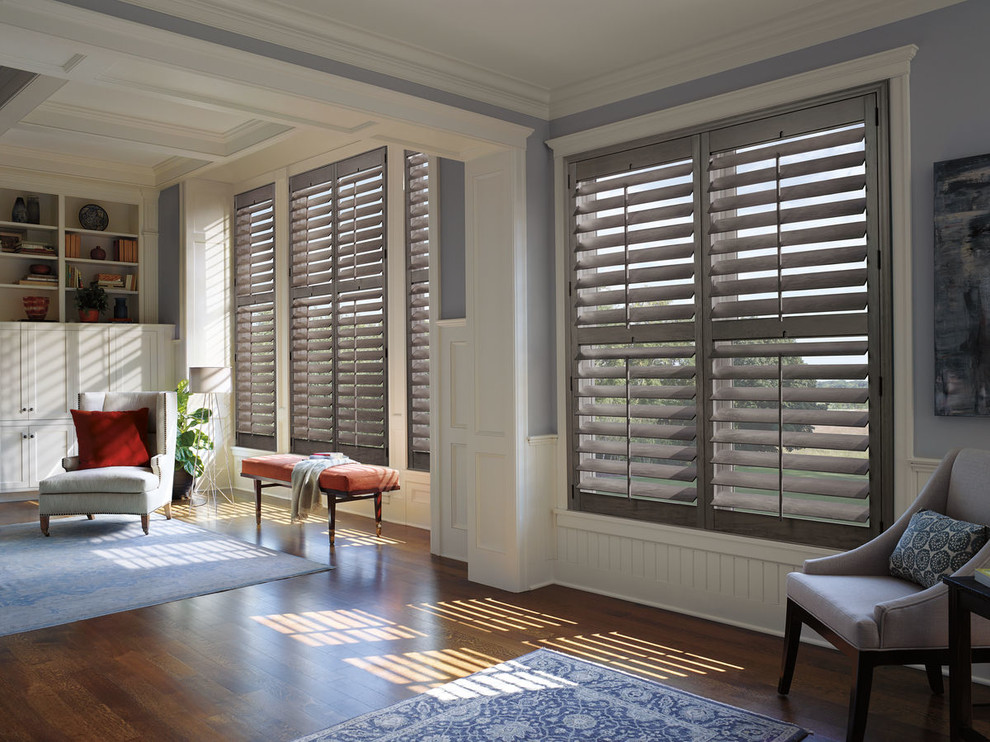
112, 438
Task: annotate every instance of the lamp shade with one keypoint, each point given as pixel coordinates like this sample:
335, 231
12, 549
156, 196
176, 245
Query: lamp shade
209, 379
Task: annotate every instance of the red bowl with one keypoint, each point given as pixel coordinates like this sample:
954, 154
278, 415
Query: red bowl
40, 269
36, 307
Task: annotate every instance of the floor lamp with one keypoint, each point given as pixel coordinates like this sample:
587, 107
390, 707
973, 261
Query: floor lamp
211, 381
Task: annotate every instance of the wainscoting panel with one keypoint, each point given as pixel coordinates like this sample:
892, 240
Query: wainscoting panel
726, 578
451, 415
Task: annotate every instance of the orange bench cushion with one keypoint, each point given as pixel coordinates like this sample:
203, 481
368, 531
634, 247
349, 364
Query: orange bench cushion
352, 479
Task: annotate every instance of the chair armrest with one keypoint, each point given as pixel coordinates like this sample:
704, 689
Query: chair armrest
156, 464
70, 463
872, 558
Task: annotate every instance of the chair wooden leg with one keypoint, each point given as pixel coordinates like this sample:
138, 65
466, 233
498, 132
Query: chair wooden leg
859, 699
90, 516
168, 511
935, 681
792, 640
145, 519
44, 524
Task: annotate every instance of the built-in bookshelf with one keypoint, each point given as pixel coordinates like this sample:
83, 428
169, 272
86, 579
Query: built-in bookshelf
55, 256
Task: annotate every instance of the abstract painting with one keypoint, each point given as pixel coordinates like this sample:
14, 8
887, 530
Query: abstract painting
962, 286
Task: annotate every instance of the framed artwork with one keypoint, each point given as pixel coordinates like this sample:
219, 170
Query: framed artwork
962, 286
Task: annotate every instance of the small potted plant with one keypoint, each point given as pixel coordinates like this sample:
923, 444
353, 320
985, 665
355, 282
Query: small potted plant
91, 301
190, 442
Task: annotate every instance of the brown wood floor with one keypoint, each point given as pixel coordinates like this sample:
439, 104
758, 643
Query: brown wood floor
287, 658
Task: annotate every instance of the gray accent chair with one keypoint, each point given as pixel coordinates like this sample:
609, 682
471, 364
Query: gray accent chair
135, 490
852, 600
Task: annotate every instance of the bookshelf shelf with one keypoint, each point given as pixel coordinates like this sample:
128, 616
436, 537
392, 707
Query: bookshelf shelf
71, 263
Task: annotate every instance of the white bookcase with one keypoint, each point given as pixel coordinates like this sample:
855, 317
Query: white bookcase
59, 220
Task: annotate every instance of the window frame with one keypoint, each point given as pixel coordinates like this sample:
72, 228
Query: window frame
881, 303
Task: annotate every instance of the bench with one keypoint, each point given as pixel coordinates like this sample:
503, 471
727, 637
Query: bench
342, 483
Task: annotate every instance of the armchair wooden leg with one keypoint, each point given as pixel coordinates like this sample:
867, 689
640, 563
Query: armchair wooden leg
935, 681
144, 523
792, 640
859, 699
168, 511
44, 524
90, 516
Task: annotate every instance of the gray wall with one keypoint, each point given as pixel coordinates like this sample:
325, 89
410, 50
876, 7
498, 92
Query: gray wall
950, 118
168, 256
452, 285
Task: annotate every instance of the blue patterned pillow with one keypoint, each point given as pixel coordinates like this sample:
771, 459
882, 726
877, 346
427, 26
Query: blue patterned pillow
935, 545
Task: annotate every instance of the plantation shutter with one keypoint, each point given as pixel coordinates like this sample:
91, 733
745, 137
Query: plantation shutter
633, 405
337, 324
418, 307
792, 220
254, 322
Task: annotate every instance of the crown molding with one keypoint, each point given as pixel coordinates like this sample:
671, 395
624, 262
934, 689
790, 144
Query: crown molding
874, 68
278, 23
798, 31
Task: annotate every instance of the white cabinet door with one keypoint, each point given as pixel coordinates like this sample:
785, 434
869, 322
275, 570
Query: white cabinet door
134, 359
15, 462
48, 445
12, 400
88, 360
44, 372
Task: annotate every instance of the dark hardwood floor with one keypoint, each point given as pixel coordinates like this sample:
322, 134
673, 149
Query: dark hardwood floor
287, 658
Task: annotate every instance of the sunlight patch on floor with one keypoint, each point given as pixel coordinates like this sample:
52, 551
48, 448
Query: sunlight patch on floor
331, 628
421, 671
491, 615
224, 510
349, 537
636, 655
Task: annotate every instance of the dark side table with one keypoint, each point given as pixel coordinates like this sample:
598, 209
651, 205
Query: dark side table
966, 597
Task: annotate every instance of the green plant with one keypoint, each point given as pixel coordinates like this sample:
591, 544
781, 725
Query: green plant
92, 297
190, 439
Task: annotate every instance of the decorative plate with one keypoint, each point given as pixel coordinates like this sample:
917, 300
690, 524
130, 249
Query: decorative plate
92, 216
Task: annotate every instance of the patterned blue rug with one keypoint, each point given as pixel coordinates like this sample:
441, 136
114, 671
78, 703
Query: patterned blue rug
91, 568
546, 696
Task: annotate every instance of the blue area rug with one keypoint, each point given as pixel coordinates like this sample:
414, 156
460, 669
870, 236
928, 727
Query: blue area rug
91, 568
546, 695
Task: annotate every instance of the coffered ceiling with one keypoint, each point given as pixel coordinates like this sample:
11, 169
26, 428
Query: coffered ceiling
151, 103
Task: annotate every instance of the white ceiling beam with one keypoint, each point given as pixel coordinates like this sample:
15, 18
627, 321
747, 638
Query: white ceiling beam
34, 94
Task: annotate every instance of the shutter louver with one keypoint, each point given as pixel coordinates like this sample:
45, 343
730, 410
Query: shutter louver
337, 326
789, 300
254, 322
633, 409
418, 307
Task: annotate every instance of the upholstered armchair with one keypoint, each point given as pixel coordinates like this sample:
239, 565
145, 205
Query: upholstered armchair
129, 489
853, 601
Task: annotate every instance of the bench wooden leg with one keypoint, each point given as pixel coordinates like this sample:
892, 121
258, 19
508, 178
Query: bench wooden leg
257, 501
331, 515
378, 514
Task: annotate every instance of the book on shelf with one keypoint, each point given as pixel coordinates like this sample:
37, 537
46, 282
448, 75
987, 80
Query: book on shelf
10, 241
73, 277
126, 250
982, 576
73, 245
36, 248
37, 282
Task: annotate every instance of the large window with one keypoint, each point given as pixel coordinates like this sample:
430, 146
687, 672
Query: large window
337, 314
254, 318
417, 189
729, 332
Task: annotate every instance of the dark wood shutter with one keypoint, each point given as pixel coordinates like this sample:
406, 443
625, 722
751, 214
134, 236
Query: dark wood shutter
337, 324
727, 340
792, 218
633, 405
254, 322
417, 189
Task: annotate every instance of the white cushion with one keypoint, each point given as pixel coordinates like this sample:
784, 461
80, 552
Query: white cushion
123, 479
